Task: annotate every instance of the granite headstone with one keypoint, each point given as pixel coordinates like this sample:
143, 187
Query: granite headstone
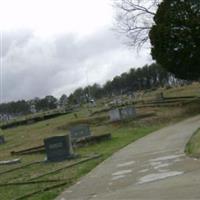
58, 148
122, 113
128, 112
115, 115
80, 131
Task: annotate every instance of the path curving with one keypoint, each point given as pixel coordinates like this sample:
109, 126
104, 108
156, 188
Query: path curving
154, 168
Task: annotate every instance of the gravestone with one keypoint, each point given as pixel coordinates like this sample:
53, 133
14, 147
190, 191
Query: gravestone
58, 148
128, 112
2, 139
115, 115
80, 131
122, 113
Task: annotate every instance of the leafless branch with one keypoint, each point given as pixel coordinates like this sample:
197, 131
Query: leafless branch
134, 19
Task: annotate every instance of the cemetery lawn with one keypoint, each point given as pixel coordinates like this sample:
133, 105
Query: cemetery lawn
193, 146
123, 133
32, 135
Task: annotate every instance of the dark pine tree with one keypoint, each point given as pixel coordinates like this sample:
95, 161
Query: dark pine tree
175, 38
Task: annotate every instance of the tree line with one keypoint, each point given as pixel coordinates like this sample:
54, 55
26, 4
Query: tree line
23, 107
145, 78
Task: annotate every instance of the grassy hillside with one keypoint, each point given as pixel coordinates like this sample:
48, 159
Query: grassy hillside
123, 133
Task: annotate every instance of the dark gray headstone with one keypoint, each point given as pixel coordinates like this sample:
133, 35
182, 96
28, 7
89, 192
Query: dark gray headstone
79, 132
2, 139
58, 148
115, 115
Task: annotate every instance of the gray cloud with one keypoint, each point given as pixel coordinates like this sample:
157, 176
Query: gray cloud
36, 67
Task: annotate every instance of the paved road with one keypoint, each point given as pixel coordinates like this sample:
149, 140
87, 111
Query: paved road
154, 168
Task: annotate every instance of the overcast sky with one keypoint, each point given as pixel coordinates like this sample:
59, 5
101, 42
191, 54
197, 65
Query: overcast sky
51, 47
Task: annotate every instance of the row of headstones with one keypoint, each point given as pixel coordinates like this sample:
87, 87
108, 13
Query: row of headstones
59, 148
122, 114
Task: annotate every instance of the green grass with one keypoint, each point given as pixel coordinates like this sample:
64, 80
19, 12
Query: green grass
122, 134
186, 90
193, 146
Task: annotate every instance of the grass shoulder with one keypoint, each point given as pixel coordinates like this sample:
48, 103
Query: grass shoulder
193, 146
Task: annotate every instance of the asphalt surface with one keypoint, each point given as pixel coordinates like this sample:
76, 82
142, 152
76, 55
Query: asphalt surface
154, 168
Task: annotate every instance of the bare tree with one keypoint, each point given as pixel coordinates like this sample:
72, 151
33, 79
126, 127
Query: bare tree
134, 19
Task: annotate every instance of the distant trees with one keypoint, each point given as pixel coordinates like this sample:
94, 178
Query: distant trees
175, 38
94, 91
145, 78
23, 107
18, 107
63, 100
85, 95
47, 103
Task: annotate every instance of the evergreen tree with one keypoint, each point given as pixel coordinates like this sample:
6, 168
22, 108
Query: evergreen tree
175, 38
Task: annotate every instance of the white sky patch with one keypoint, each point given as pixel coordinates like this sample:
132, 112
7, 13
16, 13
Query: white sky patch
51, 17
52, 47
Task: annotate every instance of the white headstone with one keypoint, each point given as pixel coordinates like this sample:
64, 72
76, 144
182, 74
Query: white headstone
122, 113
128, 112
115, 115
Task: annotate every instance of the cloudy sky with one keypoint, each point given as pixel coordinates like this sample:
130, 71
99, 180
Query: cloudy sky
54, 46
